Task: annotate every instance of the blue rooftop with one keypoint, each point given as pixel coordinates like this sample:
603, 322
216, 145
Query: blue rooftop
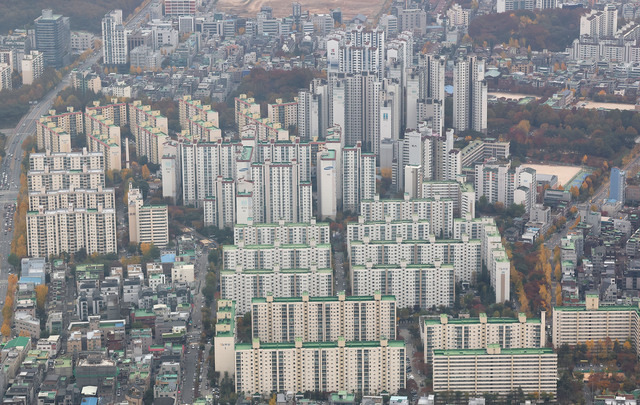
168, 258
89, 401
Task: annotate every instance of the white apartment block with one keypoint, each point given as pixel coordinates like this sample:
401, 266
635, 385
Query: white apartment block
242, 285
139, 114
225, 338
104, 137
464, 254
63, 171
495, 259
469, 95
283, 113
496, 371
478, 333
592, 322
220, 209
6, 71
458, 16
114, 111
478, 151
147, 223
414, 285
114, 39
462, 195
388, 230
150, 142
189, 109
367, 367
69, 230
437, 211
287, 233
79, 198
286, 256
328, 172
323, 319
32, 67
55, 131
279, 193
358, 177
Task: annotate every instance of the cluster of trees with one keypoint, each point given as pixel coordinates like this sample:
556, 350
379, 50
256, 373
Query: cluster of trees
542, 133
7, 309
70, 97
83, 14
552, 29
532, 272
15, 103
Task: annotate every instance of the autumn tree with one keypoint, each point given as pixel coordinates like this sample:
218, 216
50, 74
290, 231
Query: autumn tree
5, 330
146, 174
41, 295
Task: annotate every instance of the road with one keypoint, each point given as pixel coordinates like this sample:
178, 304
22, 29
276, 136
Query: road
193, 355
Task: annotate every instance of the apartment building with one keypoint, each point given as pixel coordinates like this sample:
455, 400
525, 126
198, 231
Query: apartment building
464, 254
242, 285
79, 198
114, 39
494, 257
189, 109
358, 177
446, 333
389, 230
52, 232
592, 322
369, 367
283, 113
54, 132
147, 223
32, 67
462, 194
424, 286
287, 233
103, 136
150, 142
437, 211
180, 7
225, 337
286, 256
323, 319
495, 370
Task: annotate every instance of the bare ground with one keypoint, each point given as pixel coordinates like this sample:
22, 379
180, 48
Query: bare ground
282, 8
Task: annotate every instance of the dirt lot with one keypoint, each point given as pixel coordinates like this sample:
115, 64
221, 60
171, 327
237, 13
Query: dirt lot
282, 8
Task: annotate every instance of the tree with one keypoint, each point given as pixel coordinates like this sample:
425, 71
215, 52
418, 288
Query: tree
146, 174
145, 248
41, 295
5, 330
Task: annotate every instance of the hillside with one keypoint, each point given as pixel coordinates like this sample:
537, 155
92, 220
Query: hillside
84, 14
553, 29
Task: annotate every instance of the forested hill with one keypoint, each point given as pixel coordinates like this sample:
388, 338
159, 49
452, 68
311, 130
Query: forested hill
84, 14
552, 29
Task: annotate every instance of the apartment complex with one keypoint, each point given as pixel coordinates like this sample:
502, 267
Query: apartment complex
437, 211
50, 233
495, 370
224, 339
446, 333
425, 286
371, 367
242, 285
323, 319
286, 233
286, 256
464, 254
388, 230
593, 322
54, 132
359, 177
